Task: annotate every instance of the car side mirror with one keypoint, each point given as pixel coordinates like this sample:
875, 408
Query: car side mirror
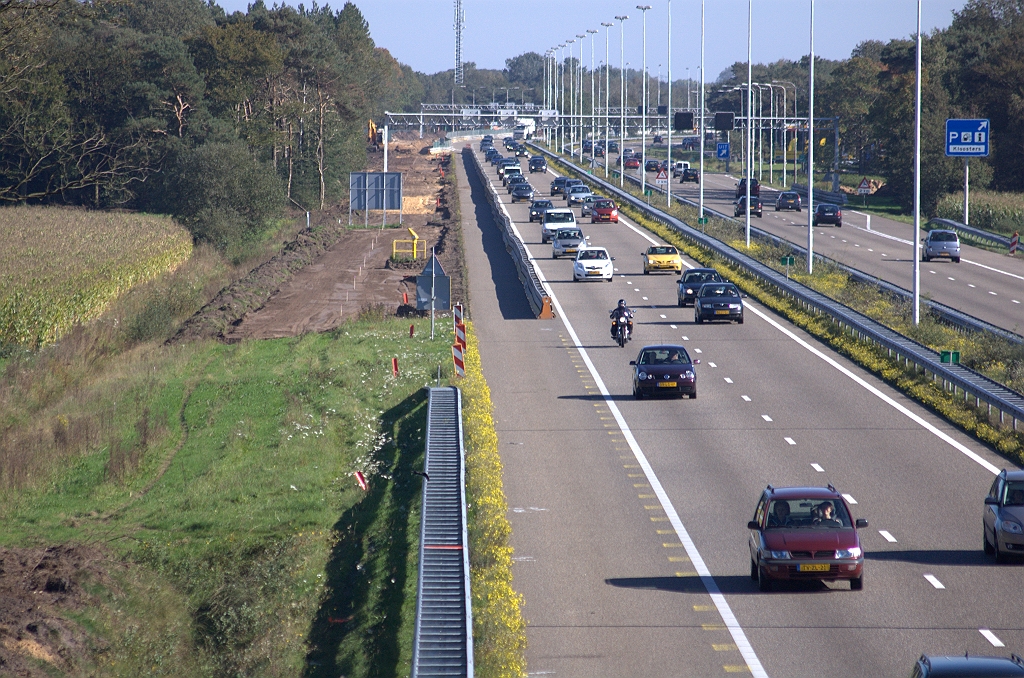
697, 361
861, 522
587, 238
613, 258
752, 525
632, 362
992, 501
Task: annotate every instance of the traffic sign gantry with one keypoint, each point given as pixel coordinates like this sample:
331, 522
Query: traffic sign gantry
967, 138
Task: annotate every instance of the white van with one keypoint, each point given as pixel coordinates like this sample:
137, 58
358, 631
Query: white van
554, 219
678, 166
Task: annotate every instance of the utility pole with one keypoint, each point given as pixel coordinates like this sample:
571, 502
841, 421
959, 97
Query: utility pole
643, 110
622, 93
668, 116
607, 95
810, 154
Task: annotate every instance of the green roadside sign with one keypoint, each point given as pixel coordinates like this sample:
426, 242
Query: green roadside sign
702, 220
648, 192
786, 261
949, 357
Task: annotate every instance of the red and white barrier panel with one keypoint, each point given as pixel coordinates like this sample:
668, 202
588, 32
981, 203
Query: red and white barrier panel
1013, 243
459, 358
457, 315
460, 336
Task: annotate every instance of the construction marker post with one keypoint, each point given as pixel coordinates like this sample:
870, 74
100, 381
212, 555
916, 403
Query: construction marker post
460, 336
1013, 243
459, 358
361, 479
394, 367
457, 315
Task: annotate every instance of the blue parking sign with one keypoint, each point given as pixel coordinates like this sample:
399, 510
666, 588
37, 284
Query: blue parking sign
723, 151
967, 138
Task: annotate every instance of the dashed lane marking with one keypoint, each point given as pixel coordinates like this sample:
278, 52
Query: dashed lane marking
728, 380
992, 638
934, 581
790, 441
766, 417
747, 398
818, 468
886, 536
712, 365
849, 499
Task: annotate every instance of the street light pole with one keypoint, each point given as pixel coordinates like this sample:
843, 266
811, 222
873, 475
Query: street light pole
917, 178
579, 96
643, 110
607, 97
668, 117
810, 154
593, 100
701, 199
785, 145
622, 93
750, 101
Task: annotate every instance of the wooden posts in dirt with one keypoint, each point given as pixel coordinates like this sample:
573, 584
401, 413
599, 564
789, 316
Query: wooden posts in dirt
394, 367
412, 329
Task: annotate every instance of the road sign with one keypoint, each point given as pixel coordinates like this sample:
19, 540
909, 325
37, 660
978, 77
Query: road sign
723, 151
470, 112
702, 220
786, 261
865, 187
662, 178
949, 357
967, 138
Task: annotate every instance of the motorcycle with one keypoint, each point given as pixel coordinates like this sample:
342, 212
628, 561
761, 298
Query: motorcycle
622, 331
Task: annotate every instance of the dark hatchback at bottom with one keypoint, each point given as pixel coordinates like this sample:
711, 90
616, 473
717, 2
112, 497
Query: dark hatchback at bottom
664, 370
968, 666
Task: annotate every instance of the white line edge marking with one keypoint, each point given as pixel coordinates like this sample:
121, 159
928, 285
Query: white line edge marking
887, 536
992, 638
882, 396
717, 597
849, 498
817, 467
934, 581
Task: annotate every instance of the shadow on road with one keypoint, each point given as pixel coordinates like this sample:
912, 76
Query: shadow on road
729, 585
507, 287
932, 557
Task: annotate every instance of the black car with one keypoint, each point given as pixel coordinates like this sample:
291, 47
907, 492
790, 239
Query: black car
966, 666
511, 180
588, 145
664, 370
825, 213
599, 152
538, 164
522, 151
657, 139
755, 187
690, 282
496, 158
689, 175
788, 200
522, 191
718, 301
652, 166
613, 146
741, 207
558, 185
537, 209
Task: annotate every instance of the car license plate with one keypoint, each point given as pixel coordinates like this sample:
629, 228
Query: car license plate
944, 254
593, 272
722, 312
570, 250
813, 567
666, 384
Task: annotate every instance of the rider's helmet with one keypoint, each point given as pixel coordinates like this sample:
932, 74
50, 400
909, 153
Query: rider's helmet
622, 303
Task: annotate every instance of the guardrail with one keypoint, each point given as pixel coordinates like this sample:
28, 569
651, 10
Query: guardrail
443, 641
838, 198
975, 233
538, 297
955, 377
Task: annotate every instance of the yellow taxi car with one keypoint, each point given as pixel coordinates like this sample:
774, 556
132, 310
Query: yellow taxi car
662, 258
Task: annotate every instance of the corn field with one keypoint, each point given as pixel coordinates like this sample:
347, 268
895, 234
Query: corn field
1001, 213
60, 266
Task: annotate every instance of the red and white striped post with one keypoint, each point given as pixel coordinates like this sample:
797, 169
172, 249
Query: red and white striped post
459, 358
457, 315
361, 479
394, 367
460, 336
1013, 243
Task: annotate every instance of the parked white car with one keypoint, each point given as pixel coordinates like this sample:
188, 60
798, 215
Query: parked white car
593, 263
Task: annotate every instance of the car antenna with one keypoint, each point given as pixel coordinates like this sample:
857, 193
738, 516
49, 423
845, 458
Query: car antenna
831, 487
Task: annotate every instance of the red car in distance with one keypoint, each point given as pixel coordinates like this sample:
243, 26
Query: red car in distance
604, 211
804, 533
632, 162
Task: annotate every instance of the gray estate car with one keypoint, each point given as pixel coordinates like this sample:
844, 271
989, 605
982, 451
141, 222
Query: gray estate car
1004, 516
941, 244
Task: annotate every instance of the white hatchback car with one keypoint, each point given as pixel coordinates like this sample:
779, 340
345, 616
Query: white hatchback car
593, 263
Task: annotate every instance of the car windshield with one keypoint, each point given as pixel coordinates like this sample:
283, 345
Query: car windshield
808, 513
670, 355
593, 254
604, 205
711, 290
543, 204
943, 236
559, 217
661, 250
1013, 493
579, 189
568, 233
701, 276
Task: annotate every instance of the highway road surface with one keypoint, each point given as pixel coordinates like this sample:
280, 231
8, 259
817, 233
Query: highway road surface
629, 517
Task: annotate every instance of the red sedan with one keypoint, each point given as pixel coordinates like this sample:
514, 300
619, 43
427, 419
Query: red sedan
631, 162
604, 211
805, 533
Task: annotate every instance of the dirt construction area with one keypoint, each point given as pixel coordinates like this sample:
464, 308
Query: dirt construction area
333, 272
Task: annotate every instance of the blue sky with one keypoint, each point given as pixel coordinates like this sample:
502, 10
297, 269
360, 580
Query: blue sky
420, 32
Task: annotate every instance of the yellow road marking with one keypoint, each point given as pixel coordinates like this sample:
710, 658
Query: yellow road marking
702, 608
643, 484
631, 466
666, 532
740, 668
646, 496
686, 574
678, 559
713, 627
655, 507
669, 545
723, 647
635, 475
658, 519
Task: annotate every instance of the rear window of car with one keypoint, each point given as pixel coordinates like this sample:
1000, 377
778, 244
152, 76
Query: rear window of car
713, 290
543, 204
789, 196
827, 209
662, 250
943, 236
579, 189
559, 217
808, 513
664, 356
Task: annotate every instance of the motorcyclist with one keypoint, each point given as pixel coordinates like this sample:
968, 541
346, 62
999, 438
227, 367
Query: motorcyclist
622, 311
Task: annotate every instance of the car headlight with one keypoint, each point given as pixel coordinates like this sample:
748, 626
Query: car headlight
853, 552
735, 307
779, 555
1011, 527
615, 213
642, 376
689, 374
689, 290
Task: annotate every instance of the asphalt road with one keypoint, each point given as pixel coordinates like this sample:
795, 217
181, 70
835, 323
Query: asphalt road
628, 515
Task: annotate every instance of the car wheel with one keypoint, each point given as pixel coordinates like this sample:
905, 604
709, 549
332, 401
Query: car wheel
740, 321
857, 583
697, 318
609, 278
753, 570
764, 584
680, 304
986, 546
693, 396
554, 256
839, 225
646, 272
1000, 556
638, 394
956, 260
925, 259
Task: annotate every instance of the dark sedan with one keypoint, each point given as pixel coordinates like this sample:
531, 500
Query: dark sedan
718, 301
666, 370
512, 180
788, 200
825, 213
538, 208
804, 533
756, 208
689, 175
538, 164
652, 166
691, 281
522, 192
613, 146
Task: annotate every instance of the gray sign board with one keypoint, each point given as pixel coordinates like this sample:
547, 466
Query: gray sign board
375, 190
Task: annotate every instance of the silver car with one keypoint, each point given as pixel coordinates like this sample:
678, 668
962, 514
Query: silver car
574, 195
567, 241
588, 205
1004, 516
941, 244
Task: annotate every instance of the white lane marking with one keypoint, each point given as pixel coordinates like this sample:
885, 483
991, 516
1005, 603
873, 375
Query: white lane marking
686, 338
766, 417
993, 293
970, 285
817, 467
833, 237
636, 289
663, 315
884, 254
621, 276
870, 250
627, 282
992, 638
856, 245
712, 365
644, 298
1014, 301
994, 270
950, 278
934, 581
696, 350
747, 398
849, 499
882, 396
932, 272
844, 241
672, 326
888, 537
738, 635
728, 380
790, 441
